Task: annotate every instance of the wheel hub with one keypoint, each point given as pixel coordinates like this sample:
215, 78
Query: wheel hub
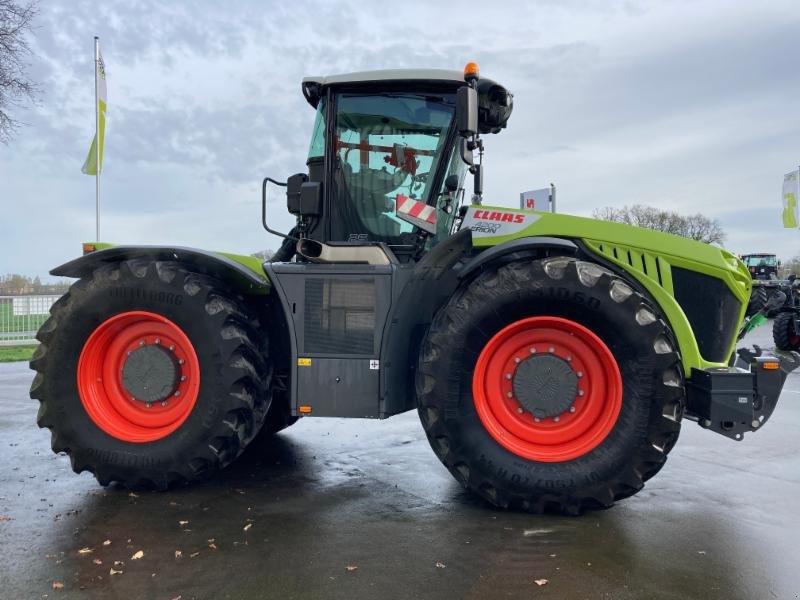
545, 385
547, 389
150, 374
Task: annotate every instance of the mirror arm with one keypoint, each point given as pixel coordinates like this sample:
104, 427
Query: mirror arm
264, 208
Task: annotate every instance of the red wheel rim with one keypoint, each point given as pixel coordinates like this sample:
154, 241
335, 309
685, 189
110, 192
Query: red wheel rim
100, 385
568, 435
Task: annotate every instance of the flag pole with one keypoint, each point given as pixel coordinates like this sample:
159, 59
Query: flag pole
97, 141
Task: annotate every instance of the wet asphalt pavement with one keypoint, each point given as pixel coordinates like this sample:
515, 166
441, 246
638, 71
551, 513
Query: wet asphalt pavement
363, 509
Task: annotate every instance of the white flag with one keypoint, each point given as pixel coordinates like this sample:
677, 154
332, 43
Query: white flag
790, 196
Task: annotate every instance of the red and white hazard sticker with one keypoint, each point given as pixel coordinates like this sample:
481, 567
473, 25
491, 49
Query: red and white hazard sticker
417, 213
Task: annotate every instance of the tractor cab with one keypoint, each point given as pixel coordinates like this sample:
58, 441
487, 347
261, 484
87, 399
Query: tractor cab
388, 157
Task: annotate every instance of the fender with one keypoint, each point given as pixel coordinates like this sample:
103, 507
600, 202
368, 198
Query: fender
517, 245
245, 273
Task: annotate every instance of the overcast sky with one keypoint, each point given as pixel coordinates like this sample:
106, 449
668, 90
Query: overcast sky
689, 106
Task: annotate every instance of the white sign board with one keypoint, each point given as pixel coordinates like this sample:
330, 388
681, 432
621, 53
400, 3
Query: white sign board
535, 200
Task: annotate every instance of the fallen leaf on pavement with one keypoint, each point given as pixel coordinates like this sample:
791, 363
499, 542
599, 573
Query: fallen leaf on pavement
178, 554
213, 546
57, 585
701, 551
97, 561
247, 527
351, 567
540, 581
137, 555
441, 565
113, 571
119, 563
182, 523
132, 495
85, 551
107, 543
193, 554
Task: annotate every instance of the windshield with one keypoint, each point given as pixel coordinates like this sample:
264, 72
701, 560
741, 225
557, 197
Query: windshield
755, 260
385, 145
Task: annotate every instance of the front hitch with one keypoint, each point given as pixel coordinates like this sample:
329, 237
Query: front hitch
733, 400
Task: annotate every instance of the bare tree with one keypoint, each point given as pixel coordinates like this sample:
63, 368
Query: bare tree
15, 87
696, 227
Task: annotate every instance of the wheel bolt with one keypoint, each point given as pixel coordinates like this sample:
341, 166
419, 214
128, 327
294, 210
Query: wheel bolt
579, 373
556, 419
537, 419
520, 410
172, 348
569, 359
148, 404
180, 361
517, 360
551, 350
510, 394
533, 350
141, 343
164, 403
580, 392
183, 377
572, 409
508, 375
177, 393
158, 340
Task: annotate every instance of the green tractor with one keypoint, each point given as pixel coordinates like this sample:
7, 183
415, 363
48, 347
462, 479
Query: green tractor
551, 358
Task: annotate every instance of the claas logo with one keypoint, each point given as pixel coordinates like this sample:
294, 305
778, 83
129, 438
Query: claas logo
493, 215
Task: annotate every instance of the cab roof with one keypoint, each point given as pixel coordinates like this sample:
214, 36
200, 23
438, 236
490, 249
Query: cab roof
312, 86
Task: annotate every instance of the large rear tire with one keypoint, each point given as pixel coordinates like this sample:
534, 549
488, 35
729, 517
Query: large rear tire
758, 299
783, 332
149, 374
550, 385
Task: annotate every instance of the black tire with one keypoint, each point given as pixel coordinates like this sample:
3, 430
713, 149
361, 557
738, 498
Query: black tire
758, 298
783, 332
233, 395
642, 344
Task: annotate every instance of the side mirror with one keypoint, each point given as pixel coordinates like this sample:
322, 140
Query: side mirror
303, 197
467, 111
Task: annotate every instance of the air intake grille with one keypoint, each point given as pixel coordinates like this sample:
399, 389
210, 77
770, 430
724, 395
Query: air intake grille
339, 316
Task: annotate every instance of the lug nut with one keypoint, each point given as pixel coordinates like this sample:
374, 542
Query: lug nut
164, 403
183, 377
572, 409
158, 340
569, 359
148, 404
517, 360
556, 418
180, 361
172, 348
579, 373
508, 375
533, 350
177, 393
510, 394
141, 343
520, 410
537, 419
551, 349
580, 392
